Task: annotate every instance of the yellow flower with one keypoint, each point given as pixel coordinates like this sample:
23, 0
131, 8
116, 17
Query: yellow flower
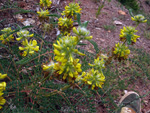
82, 33
64, 51
29, 47
2, 86
2, 101
65, 48
93, 78
139, 19
121, 51
65, 25
6, 36
69, 69
71, 10
98, 64
49, 67
23, 34
2, 76
128, 31
43, 13
45, 3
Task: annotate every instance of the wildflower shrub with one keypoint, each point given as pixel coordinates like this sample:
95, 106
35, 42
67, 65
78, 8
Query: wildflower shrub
38, 75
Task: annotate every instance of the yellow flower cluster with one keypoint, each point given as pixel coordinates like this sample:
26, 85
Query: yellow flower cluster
49, 67
29, 47
65, 48
69, 70
23, 34
2, 76
139, 19
128, 31
121, 51
6, 36
45, 3
71, 10
98, 64
64, 51
82, 33
94, 78
65, 25
2, 88
43, 14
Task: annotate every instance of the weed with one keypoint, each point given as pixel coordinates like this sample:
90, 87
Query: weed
109, 27
147, 34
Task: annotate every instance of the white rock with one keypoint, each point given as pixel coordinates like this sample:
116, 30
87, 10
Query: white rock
118, 22
28, 22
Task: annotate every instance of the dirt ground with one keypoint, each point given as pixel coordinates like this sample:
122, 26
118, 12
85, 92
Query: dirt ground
104, 38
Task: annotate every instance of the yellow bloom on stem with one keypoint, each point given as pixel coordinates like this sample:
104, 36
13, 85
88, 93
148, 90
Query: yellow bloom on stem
29, 47
2, 101
139, 19
65, 25
23, 34
93, 78
2, 86
45, 3
98, 64
70, 70
71, 10
65, 48
82, 33
128, 31
121, 51
43, 13
50, 67
6, 36
2, 76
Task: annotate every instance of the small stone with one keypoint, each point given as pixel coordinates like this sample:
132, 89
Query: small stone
28, 22
118, 22
125, 91
122, 12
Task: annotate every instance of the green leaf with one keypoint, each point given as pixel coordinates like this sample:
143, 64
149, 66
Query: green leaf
30, 58
130, 12
39, 36
27, 59
78, 18
54, 15
23, 11
129, 39
85, 24
95, 45
25, 27
81, 44
99, 10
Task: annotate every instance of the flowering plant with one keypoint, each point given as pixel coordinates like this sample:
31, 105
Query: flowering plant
33, 75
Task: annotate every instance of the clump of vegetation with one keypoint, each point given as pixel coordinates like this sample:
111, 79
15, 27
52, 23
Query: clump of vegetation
133, 4
109, 27
65, 77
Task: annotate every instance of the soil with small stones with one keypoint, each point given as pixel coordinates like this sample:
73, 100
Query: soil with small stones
112, 11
